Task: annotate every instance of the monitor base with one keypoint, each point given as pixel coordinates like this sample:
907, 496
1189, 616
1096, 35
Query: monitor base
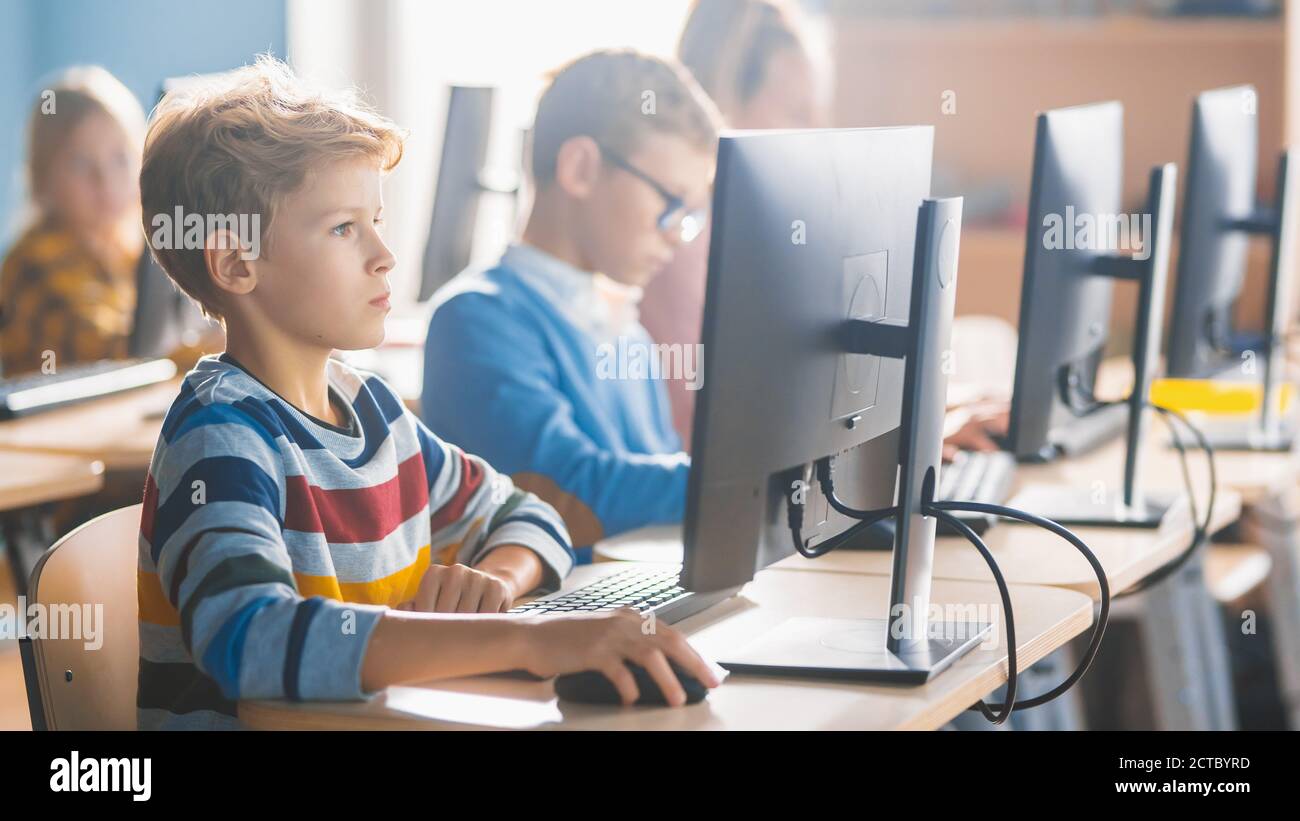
1068, 506
854, 649
1088, 433
1247, 438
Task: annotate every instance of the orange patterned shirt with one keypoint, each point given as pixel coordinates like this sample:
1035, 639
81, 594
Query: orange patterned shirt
59, 301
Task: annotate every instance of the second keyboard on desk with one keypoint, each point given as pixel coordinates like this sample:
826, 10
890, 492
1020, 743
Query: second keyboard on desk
972, 476
975, 476
36, 392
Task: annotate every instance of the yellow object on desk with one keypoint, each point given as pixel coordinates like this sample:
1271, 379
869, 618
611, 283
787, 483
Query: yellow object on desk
1213, 396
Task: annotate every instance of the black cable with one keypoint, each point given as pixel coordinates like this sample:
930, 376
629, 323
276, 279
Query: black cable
1078, 399
825, 471
1009, 700
826, 479
869, 517
794, 513
1103, 617
1201, 530
1182, 463
932, 508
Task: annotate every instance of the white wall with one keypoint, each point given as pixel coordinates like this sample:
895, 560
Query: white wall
404, 53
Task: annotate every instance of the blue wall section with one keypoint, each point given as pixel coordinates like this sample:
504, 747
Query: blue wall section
140, 41
15, 61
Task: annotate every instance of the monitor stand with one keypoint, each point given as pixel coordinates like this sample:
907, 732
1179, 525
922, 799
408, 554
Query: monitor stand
855, 650
1131, 506
1270, 431
1263, 432
914, 648
1251, 436
1078, 507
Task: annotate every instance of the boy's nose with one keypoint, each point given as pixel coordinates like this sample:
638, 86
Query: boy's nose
384, 262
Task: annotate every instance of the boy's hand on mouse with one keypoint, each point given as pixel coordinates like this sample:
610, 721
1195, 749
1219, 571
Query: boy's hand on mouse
457, 588
605, 642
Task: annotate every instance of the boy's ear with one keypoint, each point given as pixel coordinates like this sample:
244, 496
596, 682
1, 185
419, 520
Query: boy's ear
226, 264
578, 166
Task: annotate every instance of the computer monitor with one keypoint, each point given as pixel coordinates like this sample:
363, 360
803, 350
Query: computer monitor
1219, 215
463, 179
815, 235
1077, 245
165, 318
1220, 187
1064, 314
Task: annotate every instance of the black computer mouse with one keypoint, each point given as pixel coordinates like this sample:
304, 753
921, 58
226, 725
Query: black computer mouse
591, 687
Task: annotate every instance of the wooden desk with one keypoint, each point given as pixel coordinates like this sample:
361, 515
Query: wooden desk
1046, 619
1252, 475
120, 430
31, 479
1189, 666
28, 479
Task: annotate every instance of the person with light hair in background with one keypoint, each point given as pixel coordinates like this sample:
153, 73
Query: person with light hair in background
755, 60
758, 61
67, 285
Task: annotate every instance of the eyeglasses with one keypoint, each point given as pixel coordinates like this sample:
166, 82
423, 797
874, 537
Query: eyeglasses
687, 222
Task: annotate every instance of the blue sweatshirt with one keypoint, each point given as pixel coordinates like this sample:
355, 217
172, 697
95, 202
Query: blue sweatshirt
527, 366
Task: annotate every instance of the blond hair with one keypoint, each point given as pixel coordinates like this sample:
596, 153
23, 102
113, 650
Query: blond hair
238, 144
69, 99
728, 45
615, 97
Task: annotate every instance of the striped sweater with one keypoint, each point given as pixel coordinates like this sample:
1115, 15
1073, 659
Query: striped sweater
272, 542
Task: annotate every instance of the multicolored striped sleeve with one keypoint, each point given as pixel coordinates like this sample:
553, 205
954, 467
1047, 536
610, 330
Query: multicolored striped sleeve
475, 509
215, 544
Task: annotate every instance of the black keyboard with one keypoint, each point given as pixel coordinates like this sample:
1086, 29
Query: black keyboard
642, 589
36, 392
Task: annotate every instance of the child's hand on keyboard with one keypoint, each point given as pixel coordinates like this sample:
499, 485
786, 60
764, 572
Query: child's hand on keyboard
975, 426
605, 641
460, 589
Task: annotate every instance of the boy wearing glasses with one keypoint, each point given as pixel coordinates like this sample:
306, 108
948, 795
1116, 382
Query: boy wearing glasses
518, 359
